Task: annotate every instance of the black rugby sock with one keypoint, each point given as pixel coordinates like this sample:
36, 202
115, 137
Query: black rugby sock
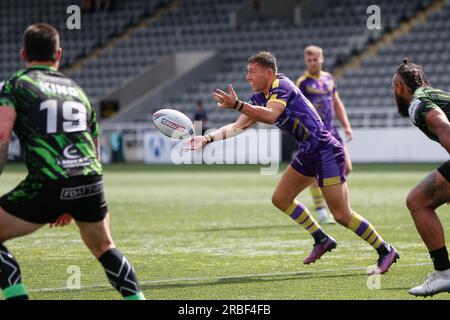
121, 274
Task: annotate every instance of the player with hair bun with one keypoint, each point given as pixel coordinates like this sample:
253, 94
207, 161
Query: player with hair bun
429, 110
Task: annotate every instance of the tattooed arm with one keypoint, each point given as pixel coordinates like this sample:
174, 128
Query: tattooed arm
7, 119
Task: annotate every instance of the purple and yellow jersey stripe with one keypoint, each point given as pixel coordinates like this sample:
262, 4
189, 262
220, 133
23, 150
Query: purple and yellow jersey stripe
299, 119
320, 91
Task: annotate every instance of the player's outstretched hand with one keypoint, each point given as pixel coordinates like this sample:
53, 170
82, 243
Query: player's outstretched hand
195, 143
225, 100
62, 220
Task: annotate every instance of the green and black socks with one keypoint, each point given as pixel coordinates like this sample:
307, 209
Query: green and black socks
121, 274
10, 276
118, 269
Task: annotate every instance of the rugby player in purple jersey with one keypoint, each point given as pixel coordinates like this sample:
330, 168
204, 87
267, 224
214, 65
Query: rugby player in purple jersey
319, 87
277, 100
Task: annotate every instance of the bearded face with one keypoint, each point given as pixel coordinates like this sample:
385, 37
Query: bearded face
402, 105
398, 86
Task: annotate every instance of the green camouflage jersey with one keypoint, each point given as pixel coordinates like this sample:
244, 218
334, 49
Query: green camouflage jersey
426, 99
55, 123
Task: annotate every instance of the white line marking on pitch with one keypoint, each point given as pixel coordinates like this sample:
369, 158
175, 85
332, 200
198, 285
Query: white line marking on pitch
238, 276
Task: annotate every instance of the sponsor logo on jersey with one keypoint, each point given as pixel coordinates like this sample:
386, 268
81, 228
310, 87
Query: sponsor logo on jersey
82, 191
75, 163
70, 152
279, 90
73, 158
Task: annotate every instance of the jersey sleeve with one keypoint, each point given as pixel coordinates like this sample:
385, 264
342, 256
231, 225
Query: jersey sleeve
419, 110
300, 83
93, 123
6, 95
279, 93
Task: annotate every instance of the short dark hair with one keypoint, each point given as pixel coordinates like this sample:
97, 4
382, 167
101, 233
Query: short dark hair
265, 59
413, 75
41, 42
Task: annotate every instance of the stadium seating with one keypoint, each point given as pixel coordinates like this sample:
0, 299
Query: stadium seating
196, 25
96, 27
426, 44
340, 30
183, 28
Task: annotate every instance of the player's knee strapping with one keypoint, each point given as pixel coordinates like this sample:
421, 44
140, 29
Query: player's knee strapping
121, 274
10, 276
366, 231
300, 214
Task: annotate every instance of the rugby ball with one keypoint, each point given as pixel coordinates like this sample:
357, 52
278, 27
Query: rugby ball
173, 124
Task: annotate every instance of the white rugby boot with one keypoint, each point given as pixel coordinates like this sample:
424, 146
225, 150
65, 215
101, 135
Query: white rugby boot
436, 282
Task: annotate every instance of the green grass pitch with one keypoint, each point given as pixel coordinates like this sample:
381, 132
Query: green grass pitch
208, 232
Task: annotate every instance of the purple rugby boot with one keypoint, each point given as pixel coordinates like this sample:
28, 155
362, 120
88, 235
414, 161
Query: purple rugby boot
386, 261
320, 249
